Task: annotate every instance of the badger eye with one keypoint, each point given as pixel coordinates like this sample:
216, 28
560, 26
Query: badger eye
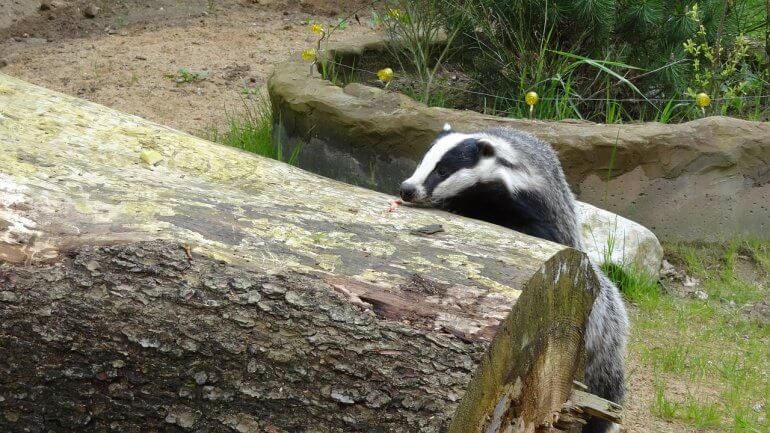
441, 171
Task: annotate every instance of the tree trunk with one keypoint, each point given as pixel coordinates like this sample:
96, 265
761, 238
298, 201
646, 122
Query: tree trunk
220, 291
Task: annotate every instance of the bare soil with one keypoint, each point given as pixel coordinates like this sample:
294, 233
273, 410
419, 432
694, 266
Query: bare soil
120, 59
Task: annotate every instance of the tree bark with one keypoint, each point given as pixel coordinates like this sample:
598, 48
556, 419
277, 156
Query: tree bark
221, 291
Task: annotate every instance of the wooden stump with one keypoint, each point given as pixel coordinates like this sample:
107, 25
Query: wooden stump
221, 291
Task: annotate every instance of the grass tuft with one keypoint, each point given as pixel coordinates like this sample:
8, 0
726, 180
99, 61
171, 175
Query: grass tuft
636, 285
252, 130
701, 415
662, 406
438, 98
184, 76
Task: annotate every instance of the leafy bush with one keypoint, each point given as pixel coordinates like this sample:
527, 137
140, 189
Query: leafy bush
602, 60
521, 48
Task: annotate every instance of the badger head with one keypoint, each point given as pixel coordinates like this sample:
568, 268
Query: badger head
457, 162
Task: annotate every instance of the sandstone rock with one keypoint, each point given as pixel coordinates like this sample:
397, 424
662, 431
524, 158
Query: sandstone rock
707, 179
610, 237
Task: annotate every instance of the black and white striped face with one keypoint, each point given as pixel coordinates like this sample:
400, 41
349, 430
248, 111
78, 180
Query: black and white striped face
456, 162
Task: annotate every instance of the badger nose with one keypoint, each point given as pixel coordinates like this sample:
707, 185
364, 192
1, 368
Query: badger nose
407, 191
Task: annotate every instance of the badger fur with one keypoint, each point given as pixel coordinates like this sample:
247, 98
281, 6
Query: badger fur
512, 179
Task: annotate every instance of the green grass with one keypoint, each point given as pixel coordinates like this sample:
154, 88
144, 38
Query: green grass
716, 268
437, 98
715, 351
183, 76
343, 24
636, 286
210, 7
338, 75
701, 414
252, 130
662, 406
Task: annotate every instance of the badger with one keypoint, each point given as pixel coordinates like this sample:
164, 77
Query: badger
510, 178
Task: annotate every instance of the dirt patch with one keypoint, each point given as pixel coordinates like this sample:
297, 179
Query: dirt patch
758, 312
639, 403
14, 11
124, 57
326, 7
66, 18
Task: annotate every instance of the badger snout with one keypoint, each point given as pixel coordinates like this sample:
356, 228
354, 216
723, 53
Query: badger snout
408, 191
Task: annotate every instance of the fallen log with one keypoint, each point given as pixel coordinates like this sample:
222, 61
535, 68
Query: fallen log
153, 281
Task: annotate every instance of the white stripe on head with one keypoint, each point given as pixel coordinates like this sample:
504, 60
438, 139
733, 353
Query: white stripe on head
455, 184
487, 170
434, 155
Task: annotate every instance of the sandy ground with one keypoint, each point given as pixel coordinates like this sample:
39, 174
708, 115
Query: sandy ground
120, 57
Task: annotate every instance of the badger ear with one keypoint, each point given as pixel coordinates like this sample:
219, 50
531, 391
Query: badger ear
485, 147
447, 127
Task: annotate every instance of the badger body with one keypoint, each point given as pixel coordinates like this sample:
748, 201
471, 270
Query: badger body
512, 179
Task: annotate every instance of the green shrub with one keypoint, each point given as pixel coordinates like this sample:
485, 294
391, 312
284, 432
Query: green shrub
602, 60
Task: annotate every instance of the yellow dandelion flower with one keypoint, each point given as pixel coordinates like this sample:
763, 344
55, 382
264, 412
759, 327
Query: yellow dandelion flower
531, 98
385, 74
703, 100
308, 54
394, 13
317, 29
